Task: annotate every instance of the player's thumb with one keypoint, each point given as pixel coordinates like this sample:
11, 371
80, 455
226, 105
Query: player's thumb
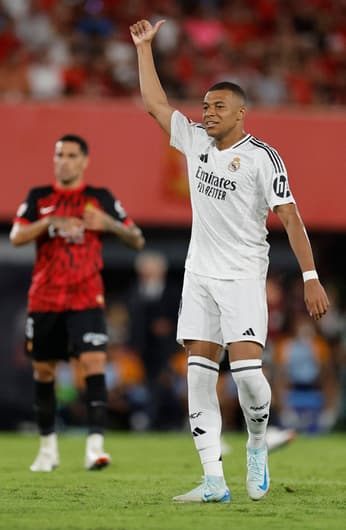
158, 25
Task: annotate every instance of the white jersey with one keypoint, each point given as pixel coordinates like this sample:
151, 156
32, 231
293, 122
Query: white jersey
231, 193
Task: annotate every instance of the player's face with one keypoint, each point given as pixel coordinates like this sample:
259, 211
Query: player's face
69, 164
223, 113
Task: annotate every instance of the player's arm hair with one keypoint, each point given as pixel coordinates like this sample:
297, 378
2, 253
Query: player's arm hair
154, 97
297, 235
25, 233
131, 235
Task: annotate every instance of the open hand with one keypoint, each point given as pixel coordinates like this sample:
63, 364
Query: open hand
144, 31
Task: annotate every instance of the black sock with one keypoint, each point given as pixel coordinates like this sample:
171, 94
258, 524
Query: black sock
96, 397
45, 406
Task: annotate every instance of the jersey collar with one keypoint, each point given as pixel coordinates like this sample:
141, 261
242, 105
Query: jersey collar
74, 190
237, 144
241, 142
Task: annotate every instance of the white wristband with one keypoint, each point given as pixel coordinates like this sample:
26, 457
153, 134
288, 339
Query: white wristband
310, 275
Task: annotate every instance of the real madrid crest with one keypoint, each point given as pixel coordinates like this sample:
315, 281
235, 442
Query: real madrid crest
234, 164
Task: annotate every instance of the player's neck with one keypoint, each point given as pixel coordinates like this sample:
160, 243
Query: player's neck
231, 139
71, 185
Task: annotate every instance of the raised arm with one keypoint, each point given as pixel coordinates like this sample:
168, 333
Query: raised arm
154, 98
315, 297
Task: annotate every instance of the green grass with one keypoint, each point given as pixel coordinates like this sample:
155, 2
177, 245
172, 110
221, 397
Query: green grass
308, 489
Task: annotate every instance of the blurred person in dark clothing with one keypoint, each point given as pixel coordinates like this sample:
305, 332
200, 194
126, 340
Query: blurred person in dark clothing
153, 307
66, 297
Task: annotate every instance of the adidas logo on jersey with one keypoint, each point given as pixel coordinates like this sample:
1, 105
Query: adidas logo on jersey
203, 158
249, 331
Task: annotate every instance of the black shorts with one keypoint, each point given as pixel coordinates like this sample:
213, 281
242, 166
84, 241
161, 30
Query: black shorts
59, 336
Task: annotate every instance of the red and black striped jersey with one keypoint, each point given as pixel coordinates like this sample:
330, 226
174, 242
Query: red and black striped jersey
66, 274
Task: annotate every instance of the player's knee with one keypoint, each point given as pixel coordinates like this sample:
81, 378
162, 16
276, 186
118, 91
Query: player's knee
93, 363
44, 372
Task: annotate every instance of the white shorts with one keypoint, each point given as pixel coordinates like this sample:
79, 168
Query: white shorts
222, 311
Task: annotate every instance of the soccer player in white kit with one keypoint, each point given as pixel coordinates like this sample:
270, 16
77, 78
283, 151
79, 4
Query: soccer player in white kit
234, 179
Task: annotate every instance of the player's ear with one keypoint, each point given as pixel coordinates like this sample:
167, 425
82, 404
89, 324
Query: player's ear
241, 112
86, 161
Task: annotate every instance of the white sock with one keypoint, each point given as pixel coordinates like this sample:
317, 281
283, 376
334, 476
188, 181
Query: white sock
94, 442
254, 397
204, 412
49, 442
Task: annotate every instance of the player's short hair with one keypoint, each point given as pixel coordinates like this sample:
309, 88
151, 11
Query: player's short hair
77, 140
232, 87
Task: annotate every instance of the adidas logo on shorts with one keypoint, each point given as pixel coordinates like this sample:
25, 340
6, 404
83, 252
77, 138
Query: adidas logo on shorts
250, 332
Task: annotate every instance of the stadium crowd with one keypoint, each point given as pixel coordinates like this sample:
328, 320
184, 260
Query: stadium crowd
279, 51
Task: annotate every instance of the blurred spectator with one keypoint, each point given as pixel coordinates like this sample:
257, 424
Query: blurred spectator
204, 28
14, 79
167, 42
34, 29
240, 24
8, 39
93, 22
125, 374
16, 8
341, 363
153, 306
269, 87
45, 79
305, 386
75, 74
334, 330
122, 63
332, 327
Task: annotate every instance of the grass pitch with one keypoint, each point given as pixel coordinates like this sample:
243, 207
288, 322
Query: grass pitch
308, 488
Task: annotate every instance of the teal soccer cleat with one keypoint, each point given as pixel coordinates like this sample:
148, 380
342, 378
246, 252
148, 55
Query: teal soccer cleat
257, 482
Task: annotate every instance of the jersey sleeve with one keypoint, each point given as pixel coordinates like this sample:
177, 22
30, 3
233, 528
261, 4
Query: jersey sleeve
27, 210
275, 179
183, 132
113, 206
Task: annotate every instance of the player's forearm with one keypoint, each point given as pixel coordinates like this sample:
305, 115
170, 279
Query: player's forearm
299, 240
131, 236
134, 238
151, 89
300, 245
26, 233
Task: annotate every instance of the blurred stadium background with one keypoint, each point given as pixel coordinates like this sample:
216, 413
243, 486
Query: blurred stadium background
70, 66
